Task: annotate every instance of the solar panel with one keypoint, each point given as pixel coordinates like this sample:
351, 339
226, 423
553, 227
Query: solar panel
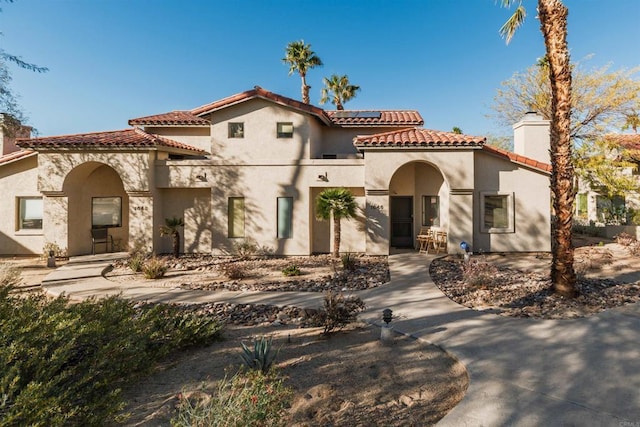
357, 114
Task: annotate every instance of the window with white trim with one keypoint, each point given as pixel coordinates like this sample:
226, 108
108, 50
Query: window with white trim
497, 212
285, 217
236, 217
30, 211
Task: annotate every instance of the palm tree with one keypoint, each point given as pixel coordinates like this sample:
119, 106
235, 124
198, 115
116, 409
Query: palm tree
301, 58
170, 228
339, 89
553, 24
337, 203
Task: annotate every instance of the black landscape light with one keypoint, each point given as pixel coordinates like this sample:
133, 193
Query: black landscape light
387, 315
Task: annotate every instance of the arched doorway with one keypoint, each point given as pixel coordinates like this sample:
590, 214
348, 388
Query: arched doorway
96, 199
418, 197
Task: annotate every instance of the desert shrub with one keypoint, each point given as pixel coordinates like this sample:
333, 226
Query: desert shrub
233, 270
624, 239
592, 259
65, 364
245, 249
136, 262
250, 398
339, 311
349, 261
9, 275
479, 273
154, 268
292, 270
261, 356
58, 252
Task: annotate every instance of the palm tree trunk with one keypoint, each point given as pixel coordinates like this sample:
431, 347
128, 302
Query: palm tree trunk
305, 89
336, 236
553, 22
176, 244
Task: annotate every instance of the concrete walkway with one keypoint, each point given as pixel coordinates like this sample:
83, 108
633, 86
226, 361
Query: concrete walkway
523, 372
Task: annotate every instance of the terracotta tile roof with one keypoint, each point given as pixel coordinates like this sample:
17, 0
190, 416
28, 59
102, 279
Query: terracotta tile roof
627, 140
16, 155
418, 137
375, 118
517, 158
128, 138
258, 92
173, 118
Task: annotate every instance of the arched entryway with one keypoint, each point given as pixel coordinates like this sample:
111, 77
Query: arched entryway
96, 199
418, 197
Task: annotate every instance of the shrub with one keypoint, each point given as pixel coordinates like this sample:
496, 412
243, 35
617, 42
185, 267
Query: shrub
245, 249
261, 357
65, 364
136, 262
625, 239
233, 270
339, 311
9, 275
349, 261
292, 270
593, 258
58, 252
154, 268
248, 399
479, 273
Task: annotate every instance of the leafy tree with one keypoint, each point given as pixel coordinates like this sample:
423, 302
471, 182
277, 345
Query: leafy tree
553, 24
301, 58
500, 141
456, 130
339, 90
8, 100
336, 203
170, 228
632, 120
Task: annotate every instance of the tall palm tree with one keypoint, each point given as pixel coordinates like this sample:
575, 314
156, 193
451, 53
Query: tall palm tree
336, 203
339, 90
301, 58
170, 228
553, 24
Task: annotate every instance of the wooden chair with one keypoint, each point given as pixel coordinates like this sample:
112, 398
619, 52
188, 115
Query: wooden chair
440, 242
101, 236
424, 238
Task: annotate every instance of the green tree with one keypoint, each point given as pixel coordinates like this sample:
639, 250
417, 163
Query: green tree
336, 203
456, 130
553, 24
8, 100
339, 90
171, 229
300, 59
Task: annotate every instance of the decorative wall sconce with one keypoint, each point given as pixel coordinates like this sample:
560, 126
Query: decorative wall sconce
202, 177
324, 177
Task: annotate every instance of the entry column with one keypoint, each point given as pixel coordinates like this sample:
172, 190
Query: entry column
460, 217
55, 220
377, 220
141, 219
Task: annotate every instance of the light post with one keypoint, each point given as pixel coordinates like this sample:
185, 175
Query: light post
386, 332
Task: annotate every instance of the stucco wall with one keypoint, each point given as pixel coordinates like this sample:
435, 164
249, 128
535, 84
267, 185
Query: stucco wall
199, 137
18, 179
194, 207
532, 202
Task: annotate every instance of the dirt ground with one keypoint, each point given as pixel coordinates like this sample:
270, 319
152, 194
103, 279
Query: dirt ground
347, 379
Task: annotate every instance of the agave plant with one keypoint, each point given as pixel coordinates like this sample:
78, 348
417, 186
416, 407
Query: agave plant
261, 357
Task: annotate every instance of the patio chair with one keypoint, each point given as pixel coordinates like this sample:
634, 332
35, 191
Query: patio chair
101, 236
424, 239
440, 242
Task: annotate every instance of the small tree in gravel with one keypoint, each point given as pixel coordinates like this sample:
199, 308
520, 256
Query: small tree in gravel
336, 203
170, 228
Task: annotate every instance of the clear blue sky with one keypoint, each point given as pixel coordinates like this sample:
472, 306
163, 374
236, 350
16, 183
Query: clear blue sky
112, 60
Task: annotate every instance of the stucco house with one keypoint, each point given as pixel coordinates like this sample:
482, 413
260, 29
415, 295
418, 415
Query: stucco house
250, 167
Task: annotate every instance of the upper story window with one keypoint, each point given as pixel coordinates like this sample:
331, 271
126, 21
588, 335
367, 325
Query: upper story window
30, 213
236, 129
285, 130
496, 212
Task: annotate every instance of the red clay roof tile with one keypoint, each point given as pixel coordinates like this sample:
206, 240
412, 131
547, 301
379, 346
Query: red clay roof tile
417, 137
376, 118
11, 157
516, 158
173, 118
128, 138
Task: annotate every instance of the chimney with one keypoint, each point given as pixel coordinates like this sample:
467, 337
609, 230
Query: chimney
10, 130
531, 137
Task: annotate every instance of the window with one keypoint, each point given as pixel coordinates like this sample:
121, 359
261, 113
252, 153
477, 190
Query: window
236, 216
329, 156
431, 211
582, 205
285, 217
106, 212
236, 130
496, 213
30, 213
285, 130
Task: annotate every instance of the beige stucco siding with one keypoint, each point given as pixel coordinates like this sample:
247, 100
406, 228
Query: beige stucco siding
194, 207
199, 137
18, 179
532, 205
260, 139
